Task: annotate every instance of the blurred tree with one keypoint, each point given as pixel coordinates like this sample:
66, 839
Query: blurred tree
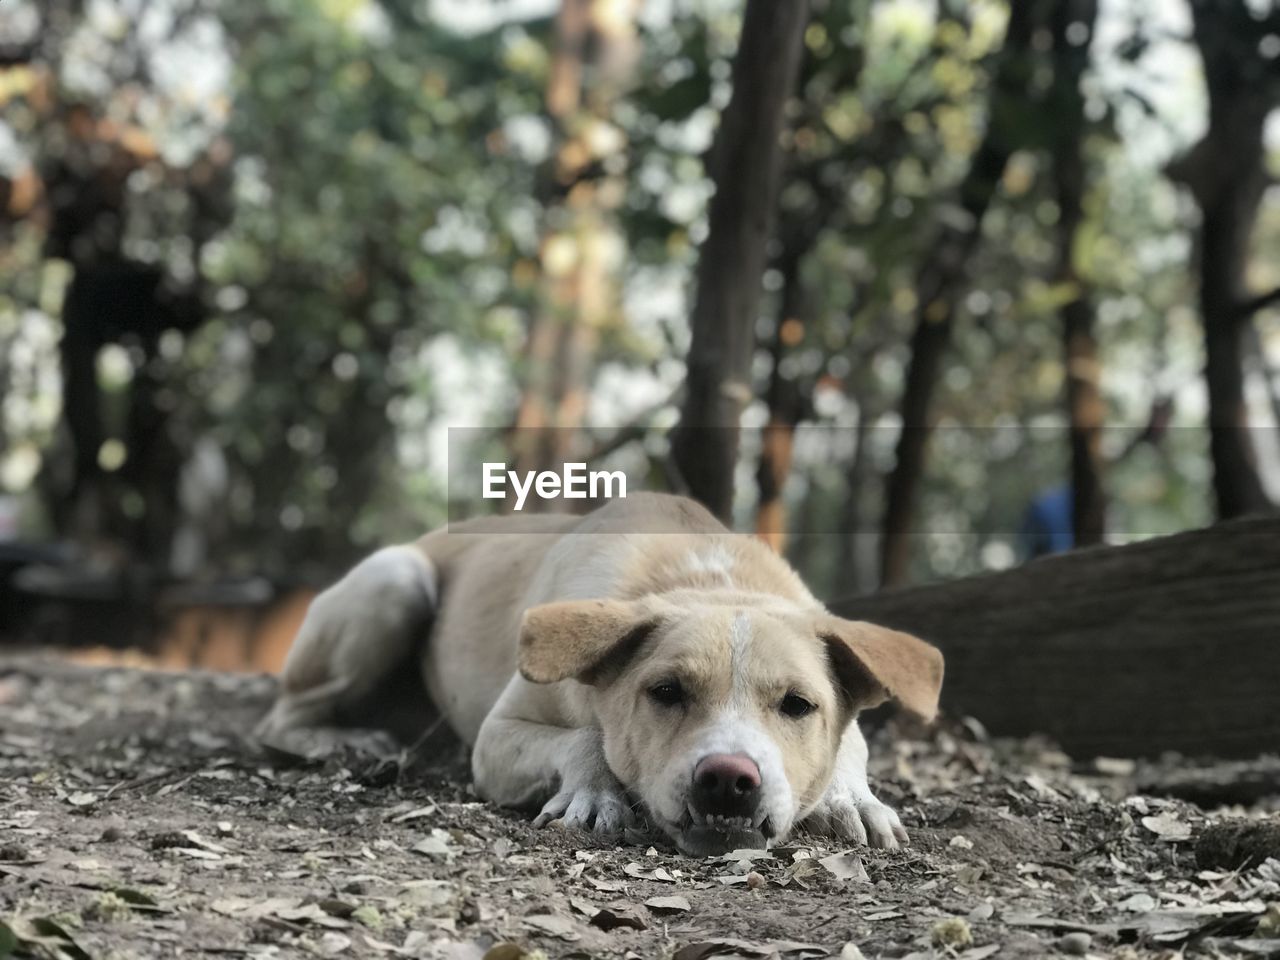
385, 194
112, 475
942, 276
745, 164
1226, 173
1073, 25
581, 255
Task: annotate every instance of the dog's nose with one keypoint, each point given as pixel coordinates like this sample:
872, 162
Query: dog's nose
726, 784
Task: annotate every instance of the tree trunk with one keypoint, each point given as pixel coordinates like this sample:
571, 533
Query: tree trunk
1168, 644
786, 404
1085, 408
1227, 174
854, 574
941, 282
592, 64
745, 165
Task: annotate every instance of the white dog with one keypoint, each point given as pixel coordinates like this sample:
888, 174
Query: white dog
642, 651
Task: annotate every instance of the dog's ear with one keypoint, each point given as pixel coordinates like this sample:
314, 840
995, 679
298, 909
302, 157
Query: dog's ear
875, 663
583, 639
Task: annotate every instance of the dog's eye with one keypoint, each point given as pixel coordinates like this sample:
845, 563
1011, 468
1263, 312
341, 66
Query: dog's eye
669, 693
794, 705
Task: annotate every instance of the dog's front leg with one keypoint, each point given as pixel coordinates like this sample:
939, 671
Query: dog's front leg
519, 763
849, 809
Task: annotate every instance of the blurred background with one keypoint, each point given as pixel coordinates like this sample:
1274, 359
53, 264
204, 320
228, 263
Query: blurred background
258, 260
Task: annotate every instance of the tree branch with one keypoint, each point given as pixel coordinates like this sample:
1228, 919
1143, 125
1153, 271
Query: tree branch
1257, 304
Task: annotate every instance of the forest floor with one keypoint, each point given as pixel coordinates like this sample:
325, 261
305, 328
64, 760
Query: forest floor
138, 820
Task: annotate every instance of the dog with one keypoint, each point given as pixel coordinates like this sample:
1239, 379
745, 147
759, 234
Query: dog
642, 651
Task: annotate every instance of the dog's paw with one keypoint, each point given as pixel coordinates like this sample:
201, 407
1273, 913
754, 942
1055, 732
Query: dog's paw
598, 807
859, 817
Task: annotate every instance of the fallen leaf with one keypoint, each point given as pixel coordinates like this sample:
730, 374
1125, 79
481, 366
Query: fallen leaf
982, 911
607, 886
232, 906
727, 946
312, 913
617, 915
138, 900
196, 853
553, 925
1258, 947
435, 846
1138, 903
634, 869
720, 947
195, 840
332, 944
1019, 919
746, 853
46, 932
668, 904
416, 814
845, 866
1168, 827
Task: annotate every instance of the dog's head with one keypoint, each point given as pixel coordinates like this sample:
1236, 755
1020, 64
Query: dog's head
723, 713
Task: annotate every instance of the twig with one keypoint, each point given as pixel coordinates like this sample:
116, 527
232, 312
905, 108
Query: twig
1098, 847
1257, 304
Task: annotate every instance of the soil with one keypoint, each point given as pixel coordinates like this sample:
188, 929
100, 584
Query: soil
138, 819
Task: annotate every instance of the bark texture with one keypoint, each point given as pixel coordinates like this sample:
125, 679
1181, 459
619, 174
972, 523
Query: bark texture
1073, 25
1227, 175
1168, 644
745, 164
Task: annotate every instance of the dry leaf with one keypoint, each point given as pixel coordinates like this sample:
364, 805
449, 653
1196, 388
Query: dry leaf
1138, 903
845, 866
617, 915
416, 813
1168, 827
668, 904
435, 846
634, 869
553, 925
729, 947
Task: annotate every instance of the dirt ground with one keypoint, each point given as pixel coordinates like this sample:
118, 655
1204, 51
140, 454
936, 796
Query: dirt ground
138, 820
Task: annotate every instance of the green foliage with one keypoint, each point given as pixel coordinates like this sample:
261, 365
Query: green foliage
371, 276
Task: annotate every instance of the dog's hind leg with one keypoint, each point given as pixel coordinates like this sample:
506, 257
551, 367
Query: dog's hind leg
357, 643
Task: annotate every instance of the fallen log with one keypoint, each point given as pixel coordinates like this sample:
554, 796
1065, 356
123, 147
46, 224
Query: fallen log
1168, 644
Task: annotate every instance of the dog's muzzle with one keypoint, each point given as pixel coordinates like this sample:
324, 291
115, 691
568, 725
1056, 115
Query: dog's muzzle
723, 812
